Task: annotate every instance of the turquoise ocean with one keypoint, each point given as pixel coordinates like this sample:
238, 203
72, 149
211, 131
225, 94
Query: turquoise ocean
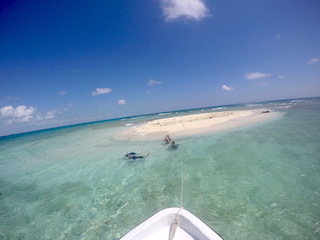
255, 182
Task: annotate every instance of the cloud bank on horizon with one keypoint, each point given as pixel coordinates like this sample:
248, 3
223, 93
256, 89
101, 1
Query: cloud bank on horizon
19, 114
10, 115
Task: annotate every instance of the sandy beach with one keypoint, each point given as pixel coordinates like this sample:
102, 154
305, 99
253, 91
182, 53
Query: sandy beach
196, 123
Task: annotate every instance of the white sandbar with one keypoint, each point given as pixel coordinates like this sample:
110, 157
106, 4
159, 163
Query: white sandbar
196, 124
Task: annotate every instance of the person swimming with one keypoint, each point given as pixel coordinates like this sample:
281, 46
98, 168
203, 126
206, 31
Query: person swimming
173, 145
133, 156
130, 154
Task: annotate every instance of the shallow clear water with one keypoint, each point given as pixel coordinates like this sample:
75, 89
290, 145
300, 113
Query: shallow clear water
257, 182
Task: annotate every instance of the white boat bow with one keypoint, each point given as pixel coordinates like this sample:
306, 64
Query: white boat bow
172, 224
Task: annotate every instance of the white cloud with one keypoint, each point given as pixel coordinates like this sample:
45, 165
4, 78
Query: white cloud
190, 9
100, 91
18, 114
6, 111
22, 111
152, 82
122, 101
226, 88
256, 75
50, 114
313, 60
281, 76
62, 93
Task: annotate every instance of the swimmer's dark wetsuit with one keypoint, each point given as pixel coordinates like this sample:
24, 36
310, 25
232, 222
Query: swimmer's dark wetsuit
135, 157
129, 155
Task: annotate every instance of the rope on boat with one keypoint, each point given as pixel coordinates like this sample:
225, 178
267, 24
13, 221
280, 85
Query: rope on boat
182, 184
174, 225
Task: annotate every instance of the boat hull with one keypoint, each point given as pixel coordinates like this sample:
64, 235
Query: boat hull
160, 225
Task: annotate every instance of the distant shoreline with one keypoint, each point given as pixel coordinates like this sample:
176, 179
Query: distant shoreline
196, 124
10, 135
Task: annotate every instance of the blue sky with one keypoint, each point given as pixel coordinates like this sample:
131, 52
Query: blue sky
71, 61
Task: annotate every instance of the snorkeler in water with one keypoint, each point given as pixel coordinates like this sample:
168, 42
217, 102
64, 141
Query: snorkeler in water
173, 145
133, 156
128, 155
